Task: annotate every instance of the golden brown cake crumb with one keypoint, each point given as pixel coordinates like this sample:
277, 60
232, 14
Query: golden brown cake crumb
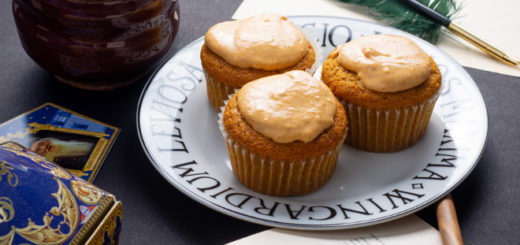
382, 121
242, 132
235, 76
347, 86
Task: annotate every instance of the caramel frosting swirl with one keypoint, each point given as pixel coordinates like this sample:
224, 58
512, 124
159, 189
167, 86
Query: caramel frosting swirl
385, 63
268, 42
287, 107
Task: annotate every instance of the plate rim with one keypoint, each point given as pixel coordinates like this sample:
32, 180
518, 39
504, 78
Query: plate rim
336, 226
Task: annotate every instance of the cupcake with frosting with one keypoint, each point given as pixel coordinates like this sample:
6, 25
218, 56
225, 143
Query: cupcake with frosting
239, 51
283, 133
388, 86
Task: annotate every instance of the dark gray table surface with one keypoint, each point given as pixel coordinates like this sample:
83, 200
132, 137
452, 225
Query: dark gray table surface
156, 213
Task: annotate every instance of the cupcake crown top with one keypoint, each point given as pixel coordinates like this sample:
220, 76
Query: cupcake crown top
385, 63
266, 41
287, 107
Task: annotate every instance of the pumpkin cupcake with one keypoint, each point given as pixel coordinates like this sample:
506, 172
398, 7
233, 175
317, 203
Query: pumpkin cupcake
388, 86
283, 133
236, 52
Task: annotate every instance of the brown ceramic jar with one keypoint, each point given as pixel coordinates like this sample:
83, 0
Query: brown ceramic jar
96, 44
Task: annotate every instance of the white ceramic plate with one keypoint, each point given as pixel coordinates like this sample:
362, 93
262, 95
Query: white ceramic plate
179, 133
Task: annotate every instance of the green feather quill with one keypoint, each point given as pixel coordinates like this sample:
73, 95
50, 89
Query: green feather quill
398, 15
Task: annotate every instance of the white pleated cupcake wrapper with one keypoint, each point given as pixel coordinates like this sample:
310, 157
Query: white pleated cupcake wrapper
218, 92
278, 177
221, 115
387, 130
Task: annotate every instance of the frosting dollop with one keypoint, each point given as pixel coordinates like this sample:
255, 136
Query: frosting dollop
267, 41
287, 107
385, 63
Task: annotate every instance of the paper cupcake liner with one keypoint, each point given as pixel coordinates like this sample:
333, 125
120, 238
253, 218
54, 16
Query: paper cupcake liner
387, 130
217, 92
278, 177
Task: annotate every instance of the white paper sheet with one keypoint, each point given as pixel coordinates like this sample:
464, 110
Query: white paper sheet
410, 230
495, 21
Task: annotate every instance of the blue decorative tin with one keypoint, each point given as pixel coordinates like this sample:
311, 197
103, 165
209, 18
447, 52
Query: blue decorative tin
41, 203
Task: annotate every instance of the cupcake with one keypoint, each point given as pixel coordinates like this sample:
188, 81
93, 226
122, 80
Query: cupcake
283, 133
388, 86
236, 52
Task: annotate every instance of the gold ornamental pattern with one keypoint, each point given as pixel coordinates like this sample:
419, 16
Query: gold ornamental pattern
6, 171
67, 210
89, 194
108, 225
6, 210
47, 235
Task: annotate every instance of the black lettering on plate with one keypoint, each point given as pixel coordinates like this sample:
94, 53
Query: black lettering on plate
332, 212
265, 210
294, 213
377, 205
180, 143
172, 94
165, 109
455, 107
333, 31
196, 72
446, 138
363, 210
399, 195
187, 171
204, 189
446, 161
220, 193
432, 175
240, 200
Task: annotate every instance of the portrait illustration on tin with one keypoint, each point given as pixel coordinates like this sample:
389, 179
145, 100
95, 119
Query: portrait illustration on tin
68, 150
73, 141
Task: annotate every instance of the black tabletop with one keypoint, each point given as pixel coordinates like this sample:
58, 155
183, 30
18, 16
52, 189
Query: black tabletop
154, 212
